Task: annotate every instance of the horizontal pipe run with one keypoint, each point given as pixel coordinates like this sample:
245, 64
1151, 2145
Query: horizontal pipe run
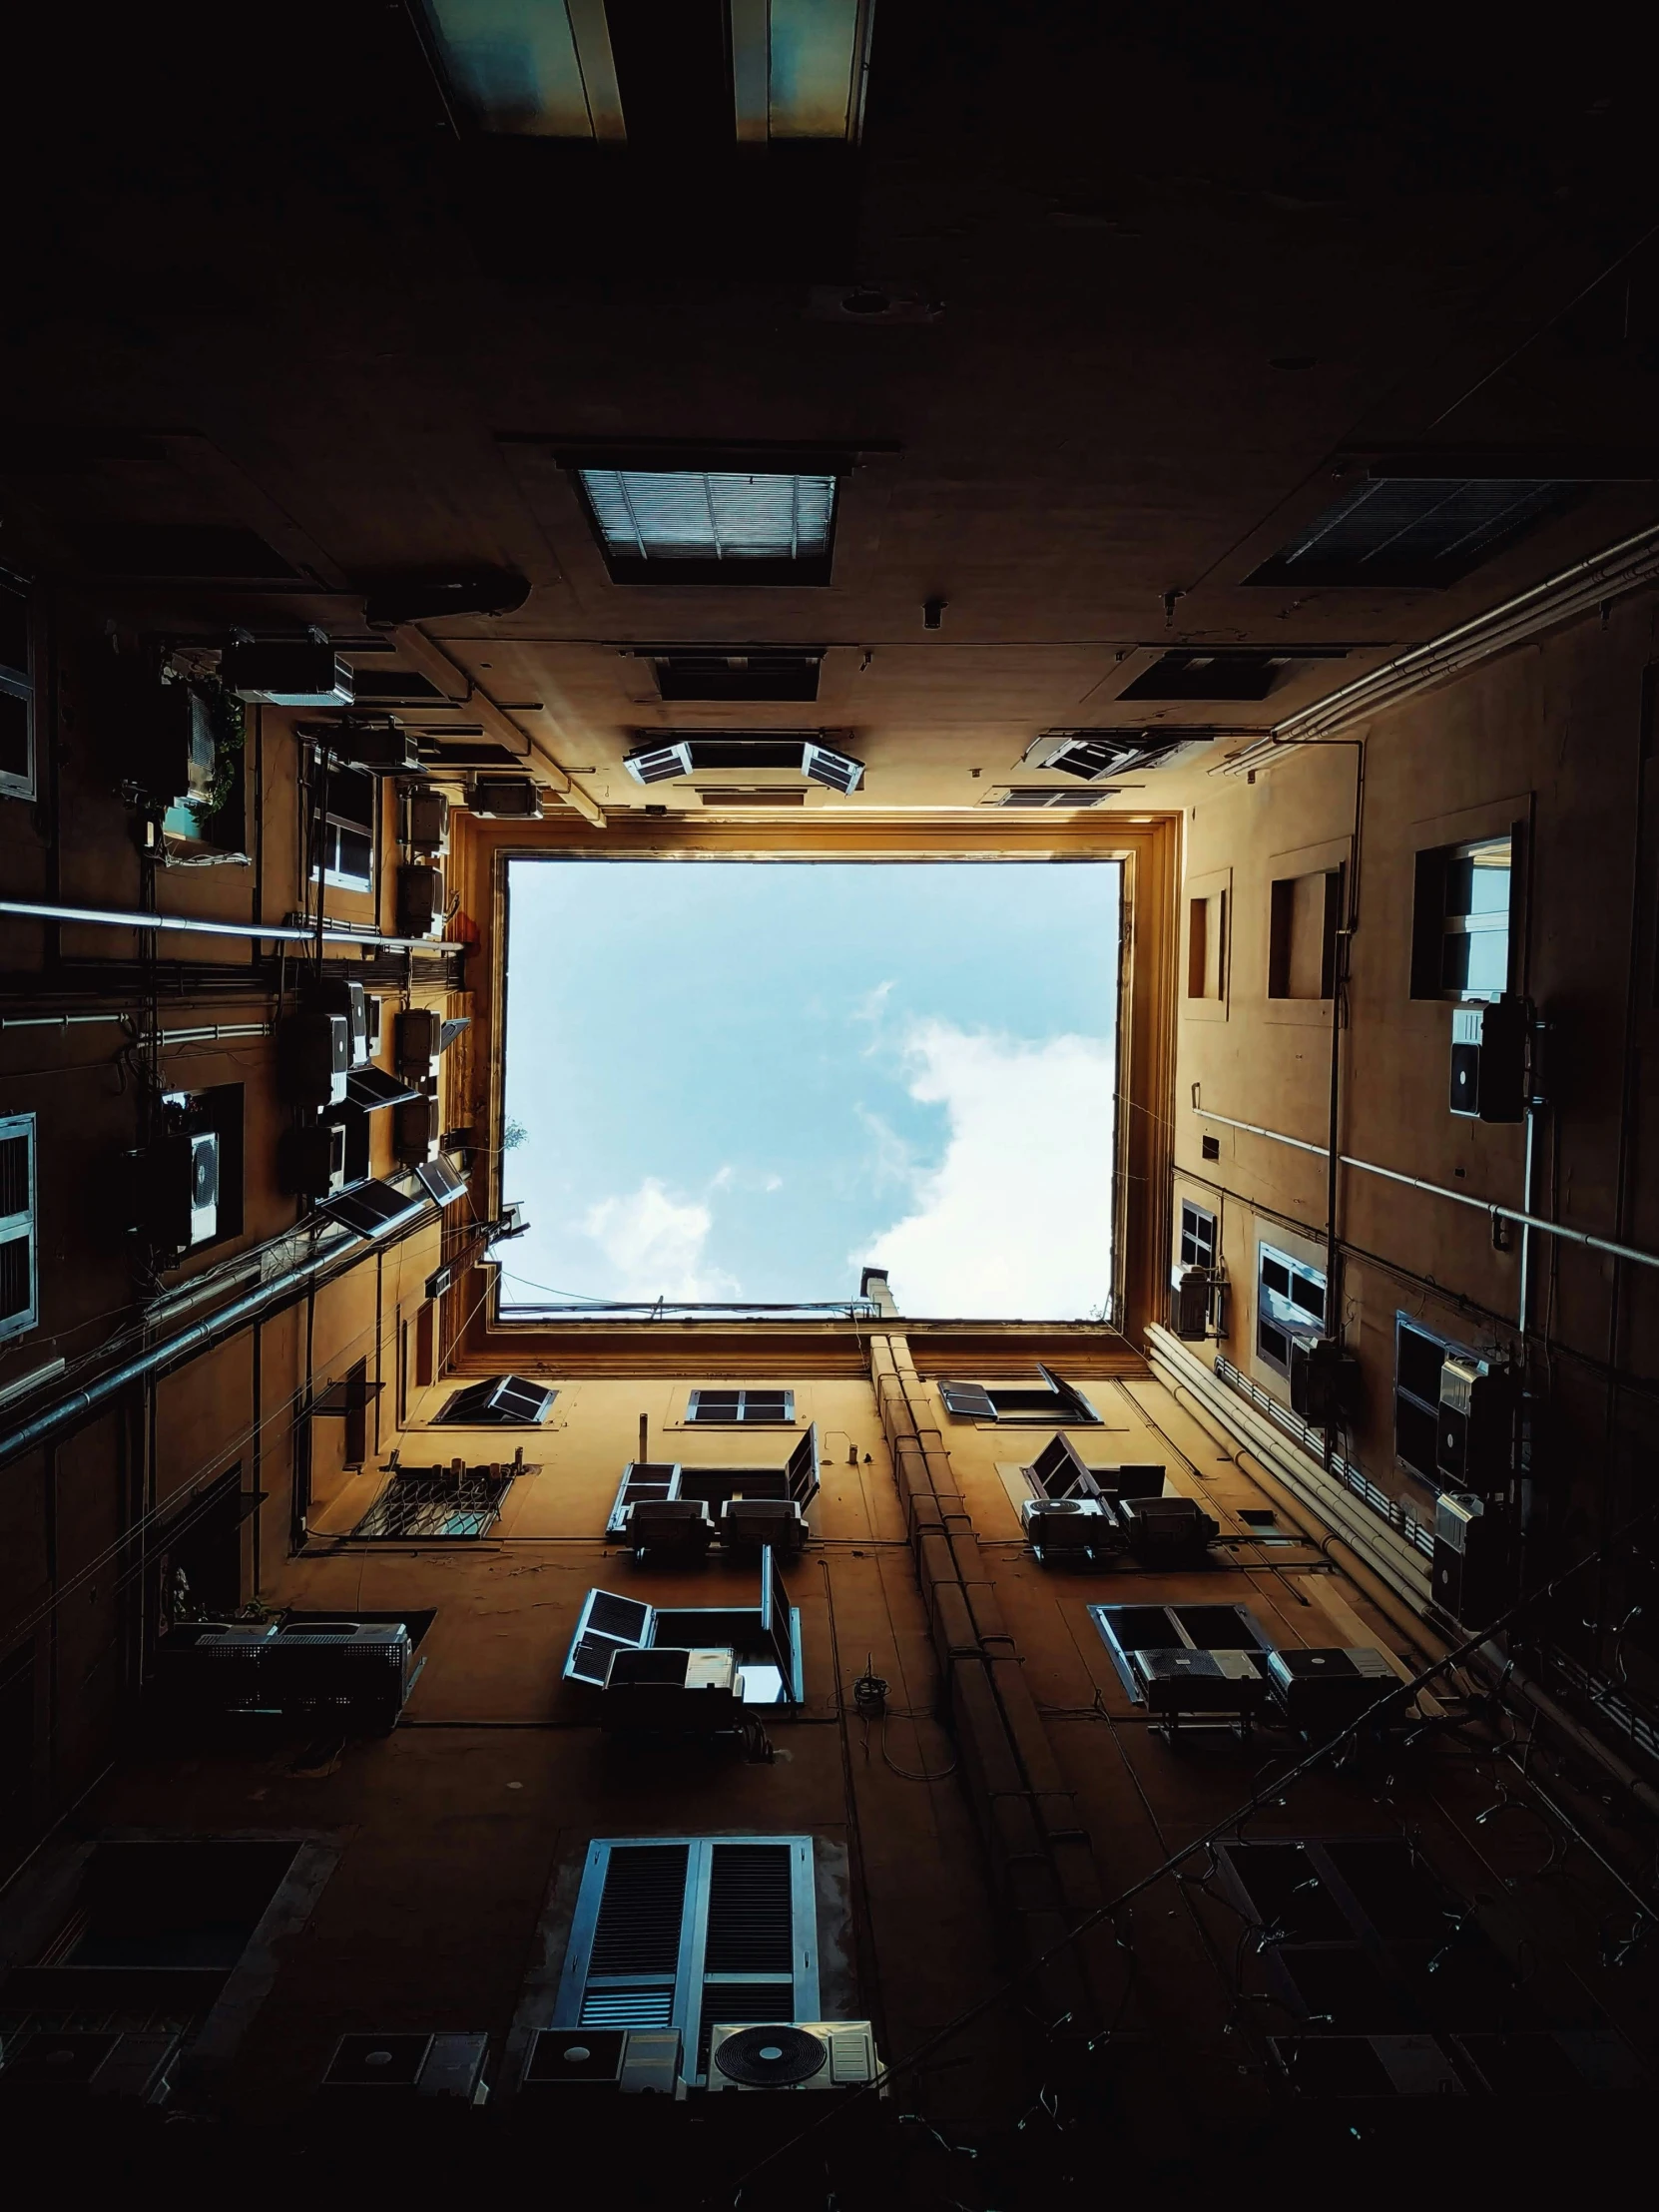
110, 917
1485, 1206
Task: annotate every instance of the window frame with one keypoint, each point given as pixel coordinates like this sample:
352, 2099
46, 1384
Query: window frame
1070, 1408
1118, 1652
1269, 1299
690, 1982
742, 1419
24, 1226
19, 683
339, 823
814, 570
1203, 1255
663, 1482
1432, 926
777, 1620
489, 1386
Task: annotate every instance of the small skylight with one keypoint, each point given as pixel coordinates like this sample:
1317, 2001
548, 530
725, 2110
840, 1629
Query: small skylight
649, 515
1413, 530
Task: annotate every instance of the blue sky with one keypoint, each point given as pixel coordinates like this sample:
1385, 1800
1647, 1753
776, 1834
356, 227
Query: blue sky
742, 1080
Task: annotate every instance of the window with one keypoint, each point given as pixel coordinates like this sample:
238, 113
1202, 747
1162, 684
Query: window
348, 838
17, 696
798, 68
1289, 1301
711, 525
504, 1400
1054, 1403
19, 1243
1128, 1628
439, 1502
1207, 946
1071, 799
1422, 531
740, 1406
1094, 754
1460, 921
773, 677
694, 1934
763, 1638
1418, 1358
530, 68
800, 751
1305, 919
1197, 1247
650, 1480
1239, 673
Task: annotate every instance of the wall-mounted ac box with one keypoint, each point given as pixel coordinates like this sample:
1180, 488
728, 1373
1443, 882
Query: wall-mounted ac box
419, 1033
1489, 1061
419, 901
335, 993
313, 1058
287, 672
1325, 1381
368, 2069
804, 2054
1475, 1441
416, 1131
377, 747
568, 2064
1469, 1571
672, 1690
311, 1162
504, 798
427, 821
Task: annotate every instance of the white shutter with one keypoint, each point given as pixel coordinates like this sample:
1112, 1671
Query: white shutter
658, 763
1058, 1471
801, 1471
969, 1400
692, 1934
646, 1480
607, 1623
821, 765
781, 1624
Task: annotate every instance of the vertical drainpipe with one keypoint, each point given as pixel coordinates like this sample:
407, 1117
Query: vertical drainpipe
1041, 1861
257, 1470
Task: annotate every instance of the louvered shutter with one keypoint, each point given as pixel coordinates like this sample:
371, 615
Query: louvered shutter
1058, 1471
1073, 1405
626, 1966
967, 1400
748, 1949
778, 1623
643, 1481
607, 1624
801, 1471
821, 765
659, 763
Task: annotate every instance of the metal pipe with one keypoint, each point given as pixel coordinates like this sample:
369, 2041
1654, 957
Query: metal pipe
80, 1402
1523, 1296
108, 917
1439, 1190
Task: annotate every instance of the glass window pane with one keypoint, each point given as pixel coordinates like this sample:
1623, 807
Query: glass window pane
648, 514
1486, 961
514, 65
356, 856
812, 67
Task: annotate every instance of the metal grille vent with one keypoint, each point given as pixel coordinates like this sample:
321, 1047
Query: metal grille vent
638, 1930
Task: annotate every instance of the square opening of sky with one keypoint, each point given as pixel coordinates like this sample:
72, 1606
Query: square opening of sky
733, 1081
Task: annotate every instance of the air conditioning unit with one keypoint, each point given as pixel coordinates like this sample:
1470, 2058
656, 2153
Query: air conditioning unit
674, 1691
1120, 1484
1188, 1305
288, 671
1082, 1526
311, 1162
1166, 1530
679, 1527
1474, 1446
416, 1128
378, 748
419, 901
1469, 1573
427, 821
1178, 1683
360, 1668
752, 1523
619, 2062
178, 1188
405, 2066
418, 1035
42, 2068
1320, 1690
335, 993
313, 1058
1489, 1061
1325, 1382
504, 798
168, 737
809, 2054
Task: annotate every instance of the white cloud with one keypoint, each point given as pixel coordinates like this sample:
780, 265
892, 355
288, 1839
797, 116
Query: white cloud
1015, 1222
654, 1244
